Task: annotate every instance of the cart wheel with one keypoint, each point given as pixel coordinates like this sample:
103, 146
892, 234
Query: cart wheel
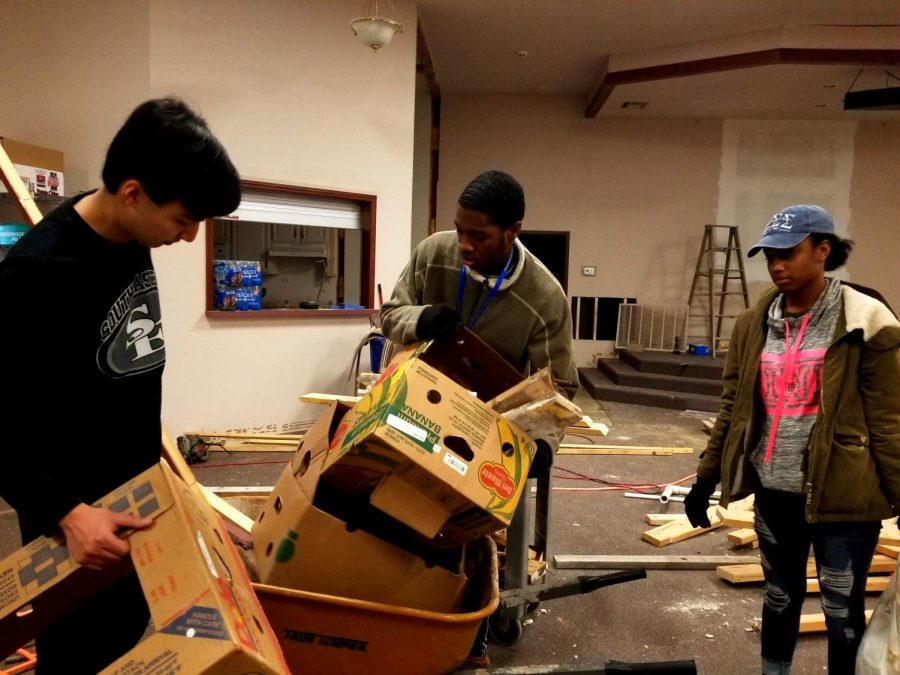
503, 629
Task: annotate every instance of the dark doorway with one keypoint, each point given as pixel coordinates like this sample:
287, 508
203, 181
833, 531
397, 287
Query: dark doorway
552, 249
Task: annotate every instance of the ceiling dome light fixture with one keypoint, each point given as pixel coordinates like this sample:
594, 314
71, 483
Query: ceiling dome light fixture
373, 30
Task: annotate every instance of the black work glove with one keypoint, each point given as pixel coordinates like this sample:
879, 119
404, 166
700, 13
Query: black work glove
437, 321
697, 501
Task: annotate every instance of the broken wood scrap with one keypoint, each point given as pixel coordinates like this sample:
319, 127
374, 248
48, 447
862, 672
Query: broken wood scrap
650, 562
592, 449
736, 518
677, 530
742, 537
595, 429
815, 623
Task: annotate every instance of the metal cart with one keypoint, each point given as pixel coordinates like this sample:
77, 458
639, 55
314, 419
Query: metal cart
530, 529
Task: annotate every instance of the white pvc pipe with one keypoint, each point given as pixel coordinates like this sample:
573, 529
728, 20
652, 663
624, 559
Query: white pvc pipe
670, 490
678, 498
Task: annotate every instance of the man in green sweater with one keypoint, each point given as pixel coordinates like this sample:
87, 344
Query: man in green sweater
483, 277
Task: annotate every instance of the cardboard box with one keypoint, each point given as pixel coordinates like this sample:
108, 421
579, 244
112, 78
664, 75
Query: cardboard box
298, 545
207, 617
431, 454
41, 169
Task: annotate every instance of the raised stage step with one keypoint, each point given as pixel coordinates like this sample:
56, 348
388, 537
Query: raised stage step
624, 374
665, 363
600, 387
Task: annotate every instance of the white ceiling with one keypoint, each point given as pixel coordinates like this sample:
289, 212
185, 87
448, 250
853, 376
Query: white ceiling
474, 47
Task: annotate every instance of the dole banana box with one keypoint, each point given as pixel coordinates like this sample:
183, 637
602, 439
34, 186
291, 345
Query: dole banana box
310, 541
429, 453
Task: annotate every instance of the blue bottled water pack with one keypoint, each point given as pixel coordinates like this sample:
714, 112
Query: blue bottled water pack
237, 285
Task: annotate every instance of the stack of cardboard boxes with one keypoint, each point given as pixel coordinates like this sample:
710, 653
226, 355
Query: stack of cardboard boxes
384, 504
371, 549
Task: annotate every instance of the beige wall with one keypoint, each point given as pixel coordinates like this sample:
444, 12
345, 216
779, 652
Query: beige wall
635, 194
292, 96
875, 209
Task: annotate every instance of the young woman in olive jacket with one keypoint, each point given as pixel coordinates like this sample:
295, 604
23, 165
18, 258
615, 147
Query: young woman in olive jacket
810, 423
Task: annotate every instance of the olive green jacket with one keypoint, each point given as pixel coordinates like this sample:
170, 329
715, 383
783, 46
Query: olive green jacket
852, 462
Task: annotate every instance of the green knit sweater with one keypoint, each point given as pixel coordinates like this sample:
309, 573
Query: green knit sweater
528, 322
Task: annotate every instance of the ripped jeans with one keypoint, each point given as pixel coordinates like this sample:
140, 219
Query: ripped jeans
843, 553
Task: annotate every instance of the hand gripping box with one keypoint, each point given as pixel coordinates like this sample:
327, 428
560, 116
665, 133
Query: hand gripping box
306, 539
207, 617
430, 453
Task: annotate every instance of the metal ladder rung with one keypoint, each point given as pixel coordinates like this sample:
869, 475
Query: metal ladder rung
733, 270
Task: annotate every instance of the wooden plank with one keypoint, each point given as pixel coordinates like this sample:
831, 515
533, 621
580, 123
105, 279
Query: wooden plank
650, 562
175, 459
742, 537
16, 188
736, 518
327, 399
873, 584
882, 564
889, 535
247, 446
596, 429
591, 449
885, 549
741, 574
240, 524
679, 530
278, 438
815, 623
663, 518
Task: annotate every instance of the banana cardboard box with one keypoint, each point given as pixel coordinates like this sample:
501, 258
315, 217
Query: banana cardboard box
307, 539
206, 615
427, 451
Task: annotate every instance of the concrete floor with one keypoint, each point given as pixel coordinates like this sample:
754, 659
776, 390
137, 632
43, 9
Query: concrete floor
671, 615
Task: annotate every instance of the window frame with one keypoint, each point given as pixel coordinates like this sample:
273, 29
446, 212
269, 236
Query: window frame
368, 206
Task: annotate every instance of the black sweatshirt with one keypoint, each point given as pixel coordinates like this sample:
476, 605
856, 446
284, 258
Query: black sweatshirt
82, 360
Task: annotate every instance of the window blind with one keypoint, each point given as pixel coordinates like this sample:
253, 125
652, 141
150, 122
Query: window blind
285, 208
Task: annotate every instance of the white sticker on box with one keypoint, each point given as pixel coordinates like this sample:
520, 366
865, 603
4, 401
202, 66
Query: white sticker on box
456, 463
206, 556
407, 428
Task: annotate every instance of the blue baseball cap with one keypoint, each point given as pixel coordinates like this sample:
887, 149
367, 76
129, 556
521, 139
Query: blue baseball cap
790, 226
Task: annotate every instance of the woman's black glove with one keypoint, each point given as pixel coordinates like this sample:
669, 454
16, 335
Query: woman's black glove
437, 321
697, 501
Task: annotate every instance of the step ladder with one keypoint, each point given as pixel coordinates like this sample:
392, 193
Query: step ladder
722, 277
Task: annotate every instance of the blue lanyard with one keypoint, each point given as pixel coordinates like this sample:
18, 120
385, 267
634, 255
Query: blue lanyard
461, 287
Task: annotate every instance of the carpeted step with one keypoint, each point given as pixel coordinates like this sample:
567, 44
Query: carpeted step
665, 363
622, 373
601, 388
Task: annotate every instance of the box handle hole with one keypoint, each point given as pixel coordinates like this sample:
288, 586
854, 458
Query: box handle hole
460, 447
